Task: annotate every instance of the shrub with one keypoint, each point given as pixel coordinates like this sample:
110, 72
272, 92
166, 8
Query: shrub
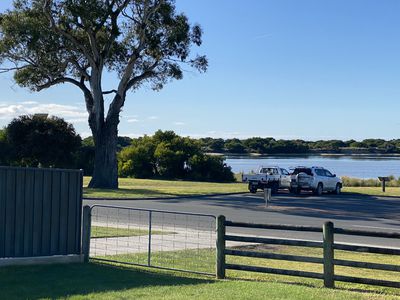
40, 141
167, 155
137, 160
209, 168
4, 148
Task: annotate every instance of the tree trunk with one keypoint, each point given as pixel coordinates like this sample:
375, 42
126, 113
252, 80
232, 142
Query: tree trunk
105, 173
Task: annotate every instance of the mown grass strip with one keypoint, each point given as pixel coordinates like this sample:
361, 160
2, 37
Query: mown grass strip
109, 232
150, 188
373, 191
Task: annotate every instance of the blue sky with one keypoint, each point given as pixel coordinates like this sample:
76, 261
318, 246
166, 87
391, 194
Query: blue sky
307, 69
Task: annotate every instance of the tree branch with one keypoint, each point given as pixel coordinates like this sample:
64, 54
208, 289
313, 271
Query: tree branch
114, 27
110, 92
119, 99
56, 81
82, 70
147, 74
6, 70
71, 38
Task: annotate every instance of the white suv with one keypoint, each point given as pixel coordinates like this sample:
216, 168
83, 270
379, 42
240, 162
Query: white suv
316, 179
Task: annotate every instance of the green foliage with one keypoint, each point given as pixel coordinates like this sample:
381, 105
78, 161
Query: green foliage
167, 155
84, 159
209, 168
138, 160
234, 146
4, 148
123, 141
38, 141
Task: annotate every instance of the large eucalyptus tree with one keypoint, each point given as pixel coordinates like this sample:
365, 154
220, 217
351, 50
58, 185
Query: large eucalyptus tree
50, 42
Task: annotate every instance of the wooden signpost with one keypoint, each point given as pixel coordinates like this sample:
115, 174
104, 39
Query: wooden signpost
383, 180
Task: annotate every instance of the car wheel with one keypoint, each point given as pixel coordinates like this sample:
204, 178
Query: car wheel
319, 190
274, 188
338, 189
252, 189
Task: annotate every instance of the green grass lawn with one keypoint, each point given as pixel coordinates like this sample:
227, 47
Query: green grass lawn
113, 281
106, 232
140, 188
373, 191
203, 260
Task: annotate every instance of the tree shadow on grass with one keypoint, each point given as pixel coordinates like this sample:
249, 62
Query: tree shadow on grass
60, 281
123, 192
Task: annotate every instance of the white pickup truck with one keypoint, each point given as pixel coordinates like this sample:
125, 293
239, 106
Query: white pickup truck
272, 177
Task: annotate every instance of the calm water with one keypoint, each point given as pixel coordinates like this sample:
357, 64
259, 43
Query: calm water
360, 167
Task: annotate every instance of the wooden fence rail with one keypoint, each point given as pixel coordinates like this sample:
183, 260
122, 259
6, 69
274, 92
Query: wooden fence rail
328, 245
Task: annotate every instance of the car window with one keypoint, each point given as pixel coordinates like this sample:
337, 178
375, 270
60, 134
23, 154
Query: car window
327, 173
269, 171
272, 171
284, 172
319, 172
302, 170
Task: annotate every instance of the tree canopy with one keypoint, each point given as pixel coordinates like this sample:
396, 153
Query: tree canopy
50, 42
48, 142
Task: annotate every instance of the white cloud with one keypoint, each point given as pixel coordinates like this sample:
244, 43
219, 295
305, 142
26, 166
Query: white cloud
132, 135
153, 118
133, 120
69, 112
29, 102
179, 123
85, 134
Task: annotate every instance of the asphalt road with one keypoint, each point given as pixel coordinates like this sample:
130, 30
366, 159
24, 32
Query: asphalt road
346, 210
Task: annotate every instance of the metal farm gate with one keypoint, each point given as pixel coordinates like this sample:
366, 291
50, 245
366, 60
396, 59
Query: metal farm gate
153, 238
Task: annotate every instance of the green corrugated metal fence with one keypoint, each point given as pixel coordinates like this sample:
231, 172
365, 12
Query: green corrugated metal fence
40, 212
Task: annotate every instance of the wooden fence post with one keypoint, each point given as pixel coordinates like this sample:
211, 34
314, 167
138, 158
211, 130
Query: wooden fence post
329, 271
86, 225
220, 268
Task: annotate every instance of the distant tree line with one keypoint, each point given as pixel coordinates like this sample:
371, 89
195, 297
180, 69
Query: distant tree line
272, 146
52, 142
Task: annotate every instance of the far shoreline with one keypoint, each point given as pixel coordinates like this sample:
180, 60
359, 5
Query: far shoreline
325, 154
